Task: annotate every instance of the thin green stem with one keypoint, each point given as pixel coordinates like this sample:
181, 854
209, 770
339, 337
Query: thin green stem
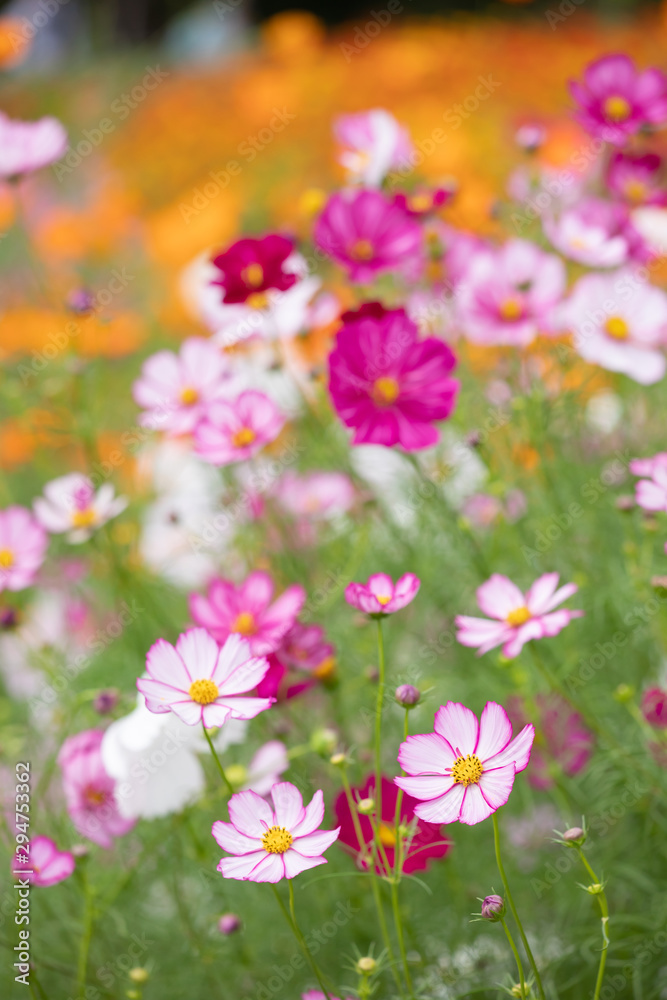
385, 935
519, 966
378, 724
353, 812
87, 933
399, 934
508, 895
290, 917
217, 760
604, 916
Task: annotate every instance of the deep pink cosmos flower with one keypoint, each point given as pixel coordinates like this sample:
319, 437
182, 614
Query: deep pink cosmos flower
200, 682
615, 100
424, 201
23, 544
90, 792
654, 707
375, 142
651, 493
250, 267
27, 146
424, 842
175, 390
509, 294
248, 610
387, 384
465, 769
638, 180
46, 865
566, 739
367, 234
72, 505
272, 844
235, 430
303, 660
380, 595
517, 618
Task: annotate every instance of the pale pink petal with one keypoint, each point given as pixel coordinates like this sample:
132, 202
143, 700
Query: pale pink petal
270, 869
538, 597
496, 785
517, 752
244, 677
315, 844
295, 863
532, 629
256, 592
562, 594
287, 804
158, 693
164, 664
215, 714
199, 651
247, 708
240, 867
405, 591
380, 585
235, 651
426, 754
474, 808
495, 731
444, 809
312, 817
250, 814
498, 596
425, 786
189, 712
459, 726
230, 839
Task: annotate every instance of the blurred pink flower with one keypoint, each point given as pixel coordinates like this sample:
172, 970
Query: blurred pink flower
638, 180
530, 136
250, 267
595, 233
380, 595
651, 493
424, 201
654, 707
90, 790
482, 510
202, 682
615, 100
238, 429
304, 659
72, 504
46, 865
272, 844
517, 618
566, 738
23, 544
465, 769
247, 610
315, 495
374, 143
27, 146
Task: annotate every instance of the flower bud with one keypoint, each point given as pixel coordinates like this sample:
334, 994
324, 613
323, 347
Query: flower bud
407, 695
229, 923
625, 502
624, 693
366, 806
575, 836
366, 966
80, 850
8, 618
595, 889
139, 974
105, 701
493, 908
337, 759
81, 301
323, 741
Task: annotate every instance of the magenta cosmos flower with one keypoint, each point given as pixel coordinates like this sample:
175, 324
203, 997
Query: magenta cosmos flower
465, 769
566, 740
517, 618
367, 234
654, 707
27, 146
375, 142
46, 865
71, 504
90, 792
248, 610
272, 844
616, 100
250, 267
176, 389
23, 544
387, 384
381, 596
638, 180
200, 682
238, 429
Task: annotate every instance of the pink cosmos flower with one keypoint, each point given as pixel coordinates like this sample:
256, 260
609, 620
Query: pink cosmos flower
318, 995
248, 610
381, 596
23, 544
27, 146
237, 429
90, 790
367, 234
654, 707
250, 267
46, 865
375, 142
176, 389
424, 201
616, 100
315, 495
465, 769
509, 294
566, 739
530, 136
517, 618
72, 504
386, 383
273, 844
620, 323
595, 233
651, 493
201, 682
637, 179
303, 659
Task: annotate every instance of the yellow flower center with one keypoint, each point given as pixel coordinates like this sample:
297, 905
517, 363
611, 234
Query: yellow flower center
258, 300
420, 202
244, 624
616, 108
362, 250
243, 437
519, 616
94, 796
617, 328
203, 691
253, 274
6, 558
386, 835
189, 396
510, 310
635, 191
277, 840
467, 770
383, 599
326, 669
385, 391
83, 518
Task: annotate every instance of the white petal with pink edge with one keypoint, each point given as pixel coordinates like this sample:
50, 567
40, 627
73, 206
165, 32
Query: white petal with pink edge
459, 726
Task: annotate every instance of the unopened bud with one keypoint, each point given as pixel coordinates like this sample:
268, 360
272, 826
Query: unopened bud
139, 974
229, 923
624, 693
625, 502
106, 701
574, 836
493, 908
595, 889
407, 695
366, 965
366, 806
323, 742
338, 759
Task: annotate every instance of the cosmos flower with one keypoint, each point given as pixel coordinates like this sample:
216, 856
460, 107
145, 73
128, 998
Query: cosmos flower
424, 201
424, 841
566, 740
651, 492
27, 146
315, 495
374, 143
387, 384
380, 595
250, 267
637, 179
367, 234
654, 707
465, 769
201, 682
517, 618
248, 610
175, 390
272, 844
237, 429
23, 544
595, 233
615, 100
45, 865
71, 504
303, 659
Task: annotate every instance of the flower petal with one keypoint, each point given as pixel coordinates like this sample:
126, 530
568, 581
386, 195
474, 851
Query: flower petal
270, 869
241, 866
517, 752
199, 651
459, 726
315, 844
250, 814
287, 804
495, 731
474, 807
425, 786
165, 664
445, 809
232, 840
312, 816
295, 863
498, 596
496, 785
427, 753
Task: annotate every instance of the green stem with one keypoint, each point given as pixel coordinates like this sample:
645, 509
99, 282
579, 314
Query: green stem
399, 934
508, 894
385, 934
290, 917
217, 760
604, 916
86, 935
378, 725
353, 812
519, 966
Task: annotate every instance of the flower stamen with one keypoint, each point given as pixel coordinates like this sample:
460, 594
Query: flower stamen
277, 840
518, 617
203, 691
467, 770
